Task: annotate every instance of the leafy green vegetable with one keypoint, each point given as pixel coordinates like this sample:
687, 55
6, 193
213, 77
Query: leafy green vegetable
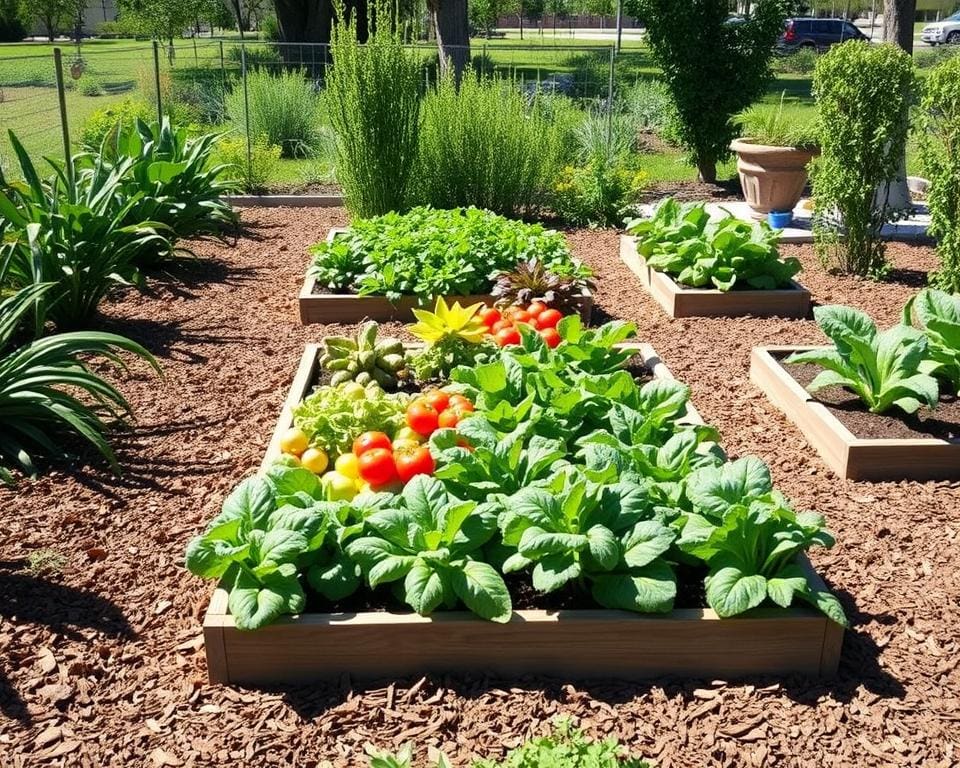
427, 253
334, 415
683, 242
884, 369
750, 538
938, 316
427, 537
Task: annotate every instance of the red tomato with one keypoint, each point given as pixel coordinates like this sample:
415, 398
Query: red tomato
377, 467
437, 398
521, 316
413, 461
490, 316
550, 336
422, 417
549, 318
459, 401
370, 440
500, 325
453, 415
507, 336
536, 308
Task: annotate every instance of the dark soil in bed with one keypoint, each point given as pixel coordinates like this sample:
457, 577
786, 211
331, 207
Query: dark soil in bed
943, 422
102, 659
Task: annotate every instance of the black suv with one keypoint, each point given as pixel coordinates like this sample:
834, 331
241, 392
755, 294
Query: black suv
817, 33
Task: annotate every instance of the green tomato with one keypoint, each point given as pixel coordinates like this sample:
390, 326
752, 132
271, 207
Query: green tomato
354, 391
338, 487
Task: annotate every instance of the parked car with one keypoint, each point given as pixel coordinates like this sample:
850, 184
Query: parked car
944, 31
817, 33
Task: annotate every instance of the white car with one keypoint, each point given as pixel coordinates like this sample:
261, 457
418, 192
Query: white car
945, 31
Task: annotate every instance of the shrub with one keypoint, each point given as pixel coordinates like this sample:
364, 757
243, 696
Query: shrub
429, 253
799, 62
12, 27
41, 383
597, 193
713, 69
373, 98
231, 151
284, 109
91, 85
863, 93
939, 132
482, 145
649, 104
73, 238
104, 123
931, 57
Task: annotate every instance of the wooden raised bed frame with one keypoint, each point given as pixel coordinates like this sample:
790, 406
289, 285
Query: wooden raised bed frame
349, 308
572, 644
709, 302
850, 457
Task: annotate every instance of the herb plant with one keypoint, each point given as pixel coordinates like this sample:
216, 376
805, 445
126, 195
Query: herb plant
531, 281
938, 316
883, 368
682, 241
768, 125
429, 253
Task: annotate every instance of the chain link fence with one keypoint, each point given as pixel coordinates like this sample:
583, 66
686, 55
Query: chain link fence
234, 86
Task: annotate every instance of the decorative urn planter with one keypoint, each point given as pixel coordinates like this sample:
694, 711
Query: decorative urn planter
772, 178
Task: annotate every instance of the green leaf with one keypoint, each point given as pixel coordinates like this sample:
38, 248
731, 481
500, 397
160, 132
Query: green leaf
482, 590
252, 500
731, 592
713, 490
651, 589
255, 603
423, 588
645, 542
788, 582
554, 571
282, 546
603, 548
390, 568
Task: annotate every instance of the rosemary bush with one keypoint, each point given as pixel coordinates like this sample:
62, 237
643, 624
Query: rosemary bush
483, 145
373, 98
863, 93
939, 129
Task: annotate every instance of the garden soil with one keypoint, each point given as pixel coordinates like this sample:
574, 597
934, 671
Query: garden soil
102, 662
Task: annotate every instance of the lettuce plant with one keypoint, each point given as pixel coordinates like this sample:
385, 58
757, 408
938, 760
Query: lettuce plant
938, 316
683, 242
750, 539
884, 369
429, 538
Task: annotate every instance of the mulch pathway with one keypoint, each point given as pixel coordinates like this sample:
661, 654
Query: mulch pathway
103, 662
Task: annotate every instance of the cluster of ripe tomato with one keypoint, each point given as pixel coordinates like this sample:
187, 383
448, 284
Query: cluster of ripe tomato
503, 325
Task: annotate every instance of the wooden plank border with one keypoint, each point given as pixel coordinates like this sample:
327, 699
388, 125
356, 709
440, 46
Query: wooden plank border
347, 308
850, 457
701, 302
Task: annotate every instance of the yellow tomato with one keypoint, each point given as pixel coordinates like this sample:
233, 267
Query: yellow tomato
294, 441
338, 487
348, 465
406, 433
315, 460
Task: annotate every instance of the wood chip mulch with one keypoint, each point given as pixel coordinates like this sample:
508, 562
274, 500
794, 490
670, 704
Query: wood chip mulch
102, 662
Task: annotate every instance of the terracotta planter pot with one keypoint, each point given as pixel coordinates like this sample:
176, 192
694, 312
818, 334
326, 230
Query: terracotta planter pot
772, 178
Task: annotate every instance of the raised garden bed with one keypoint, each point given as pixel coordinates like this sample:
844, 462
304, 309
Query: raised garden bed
678, 301
568, 643
350, 308
845, 434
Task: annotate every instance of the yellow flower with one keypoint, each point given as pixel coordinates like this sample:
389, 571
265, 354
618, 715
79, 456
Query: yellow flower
446, 321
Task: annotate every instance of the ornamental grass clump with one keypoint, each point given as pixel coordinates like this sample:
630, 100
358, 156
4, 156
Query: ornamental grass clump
938, 125
863, 93
373, 98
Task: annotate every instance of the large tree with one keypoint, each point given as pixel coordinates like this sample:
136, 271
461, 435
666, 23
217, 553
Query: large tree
898, 19
452, 28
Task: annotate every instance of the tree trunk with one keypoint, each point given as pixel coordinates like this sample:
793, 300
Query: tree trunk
898, 20
707, 171
303, 21
453, 34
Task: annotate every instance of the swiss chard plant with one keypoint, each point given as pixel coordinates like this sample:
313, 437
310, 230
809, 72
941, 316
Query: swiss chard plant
428, 253
751, 540
885, 369
937, 314
682, 241
600, 537
430, 539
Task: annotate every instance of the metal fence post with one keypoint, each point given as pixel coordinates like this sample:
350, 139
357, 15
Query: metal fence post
156, 79
613, 58
223, 70
62, 99
246, 109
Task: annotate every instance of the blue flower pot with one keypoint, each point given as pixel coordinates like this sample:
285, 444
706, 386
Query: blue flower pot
779, 219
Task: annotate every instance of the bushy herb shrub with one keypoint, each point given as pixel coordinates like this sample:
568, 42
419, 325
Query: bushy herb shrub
104, 123
428, 253
482, 144
938, 127
284, 108
596, 193
772, 125
373, 99
264, 159
713, 69
683, 242
863, 94
649, 104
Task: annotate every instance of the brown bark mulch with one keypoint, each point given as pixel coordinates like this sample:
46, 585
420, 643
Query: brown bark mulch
102, 661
